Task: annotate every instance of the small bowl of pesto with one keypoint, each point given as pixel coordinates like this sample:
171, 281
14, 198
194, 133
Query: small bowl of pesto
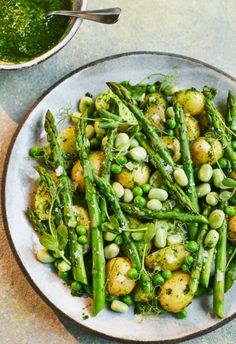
28, 36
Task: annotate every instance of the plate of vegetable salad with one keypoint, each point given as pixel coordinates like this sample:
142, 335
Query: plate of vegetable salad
120, 201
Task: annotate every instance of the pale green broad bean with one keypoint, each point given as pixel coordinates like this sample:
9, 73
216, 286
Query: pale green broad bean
154, 204
174, 239
63, 266
111, 251
203, 189
212, 198
44, 256
180, 177
138, 154
119, 306
122, 142
160, 237
128, 196
211, 238
157, 193
205, 173
216, 218
109, 236
118, 189
90, 131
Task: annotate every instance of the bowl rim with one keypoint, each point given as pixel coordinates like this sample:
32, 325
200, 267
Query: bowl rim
75, 24
59, 313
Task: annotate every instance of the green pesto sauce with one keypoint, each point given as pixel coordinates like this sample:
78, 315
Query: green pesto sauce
25, 32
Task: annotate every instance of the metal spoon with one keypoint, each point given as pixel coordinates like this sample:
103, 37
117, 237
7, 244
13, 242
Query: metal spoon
105, 16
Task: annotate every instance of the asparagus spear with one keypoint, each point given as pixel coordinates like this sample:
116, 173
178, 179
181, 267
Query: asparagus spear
148, 128
199, 259
108, 192
147, 214
187, 165
76, 250
218, 124
206, 269
98, 264
36, 222
177, 193
219, 278
231, 111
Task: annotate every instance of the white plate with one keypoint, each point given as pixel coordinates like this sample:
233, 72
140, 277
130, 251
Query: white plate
18, 187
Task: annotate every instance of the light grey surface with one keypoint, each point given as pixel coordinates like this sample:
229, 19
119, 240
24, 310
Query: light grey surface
201, 29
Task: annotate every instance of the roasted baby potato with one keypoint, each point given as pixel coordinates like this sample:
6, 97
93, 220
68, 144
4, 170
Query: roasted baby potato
170, 257
175, 294
138, 175
205, 150
118, 283
173, 145
192, 101
154, 106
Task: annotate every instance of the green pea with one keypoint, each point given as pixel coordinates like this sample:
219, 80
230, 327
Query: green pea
230, 211
170, 112
151, 89
167, 274
95, 143
122, 160
205, 173
110, 298
216, 218
158, 279
76, 286
36, 151
185, 268
146, 188
119, 240
223, 162
170, 132
116, 169
139, 201
125, 83
63, 274
82, 239
127, 299
81, 230
170, 123
233, 144
192, 246
90, 132
145, 282
182, 314
188, 260
132, 273
137, 191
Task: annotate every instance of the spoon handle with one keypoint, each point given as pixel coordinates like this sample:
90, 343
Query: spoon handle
105, 16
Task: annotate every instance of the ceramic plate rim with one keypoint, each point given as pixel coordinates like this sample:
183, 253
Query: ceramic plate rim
3, 198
